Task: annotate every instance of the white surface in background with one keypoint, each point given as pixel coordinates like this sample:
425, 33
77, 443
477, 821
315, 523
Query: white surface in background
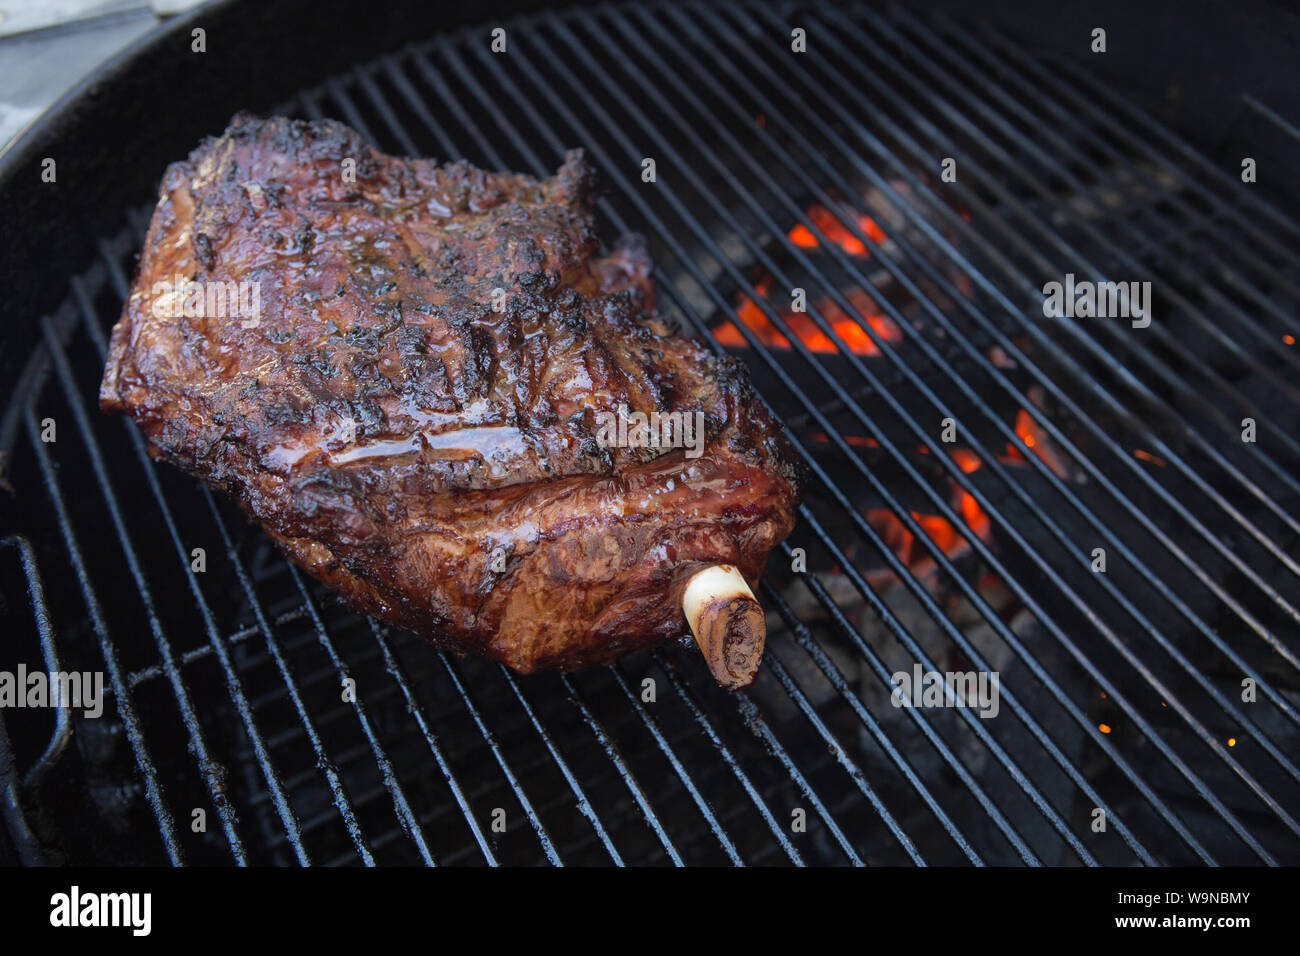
18, 16
46, 46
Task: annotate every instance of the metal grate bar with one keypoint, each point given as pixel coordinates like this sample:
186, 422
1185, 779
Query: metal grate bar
21, 838
1218, 590
804, 638
391, 783
937, 557
119, 282
724, 752
789, 384
548, 846
61, 732
406, 143
997, 468
112, 662
313, 109
287, 818
202, 754
841, 756
629, 780
1161, 588
1053, 237
583, 804
687, 780
1204, 321
393, 666
487, 104
759, 727
416, 103
360, 751
905, 207
1009, 68
235, 638
1020, 357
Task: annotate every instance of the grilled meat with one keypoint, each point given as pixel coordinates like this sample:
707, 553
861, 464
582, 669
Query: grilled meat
412, 408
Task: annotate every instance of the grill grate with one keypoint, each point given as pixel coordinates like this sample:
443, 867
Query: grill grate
1121, 692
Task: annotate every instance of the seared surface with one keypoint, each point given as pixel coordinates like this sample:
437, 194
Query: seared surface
393, 432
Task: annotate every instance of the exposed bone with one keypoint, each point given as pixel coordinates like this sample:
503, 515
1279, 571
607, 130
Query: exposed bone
727, 622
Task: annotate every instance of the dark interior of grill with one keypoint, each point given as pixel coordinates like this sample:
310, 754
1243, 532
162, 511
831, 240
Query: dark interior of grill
1160, 694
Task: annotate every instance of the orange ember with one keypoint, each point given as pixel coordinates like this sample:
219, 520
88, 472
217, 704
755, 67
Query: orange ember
951, 539
1147, 456
861, 441
836, 232
940, 531
1037, 440
801, 324
973, 514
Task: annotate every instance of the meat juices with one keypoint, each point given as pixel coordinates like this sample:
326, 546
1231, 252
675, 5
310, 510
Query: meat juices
403, 386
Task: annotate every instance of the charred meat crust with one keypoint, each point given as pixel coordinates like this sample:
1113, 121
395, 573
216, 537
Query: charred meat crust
412, 413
